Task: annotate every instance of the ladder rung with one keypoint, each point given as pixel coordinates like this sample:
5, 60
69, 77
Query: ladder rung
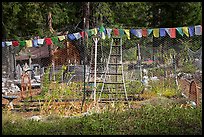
113, 83
107, 92
115, 64
114, 74
96, 82
115, 55
97, 73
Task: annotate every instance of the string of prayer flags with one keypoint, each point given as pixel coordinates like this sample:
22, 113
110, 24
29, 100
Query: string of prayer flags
191, 31
156, 32
198, 30
179, 29
127, 31
185, 31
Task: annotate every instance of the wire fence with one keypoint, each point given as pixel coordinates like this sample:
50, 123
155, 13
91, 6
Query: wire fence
155, 58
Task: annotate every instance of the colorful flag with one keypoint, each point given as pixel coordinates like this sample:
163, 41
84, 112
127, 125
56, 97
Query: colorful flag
101, 29
172, 32
162, 32
55, 40
144, 32
149, 31
22, 43
48, 41
71, 36
103, 35
61, 38
29, 43
15, 43
8, 43
40, 41
133, 31
198, 30
127, 31
191, 31
77, 35
139, 33
156, 33
179, 29
35, 43
121, 32
116, 32
185, 31
168, 31
3, 44
109, 32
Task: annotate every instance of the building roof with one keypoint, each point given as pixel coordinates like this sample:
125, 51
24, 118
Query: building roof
36, 53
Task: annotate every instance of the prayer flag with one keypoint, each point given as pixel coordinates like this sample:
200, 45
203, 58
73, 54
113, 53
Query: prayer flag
109, 32
22, 43
29, 43
172, 32
35, 43
156, 32
191, 31
102, 29
71, 36
77, 35
168, 31
121, 32
55, 40
144, 32
8, 43
127, 31
15, 43
179, 29
162, 32
48, 41
40, 41
198, 30
185, 31
149, 31
61, 38
3, 44
139, 33
133, 31
116, 32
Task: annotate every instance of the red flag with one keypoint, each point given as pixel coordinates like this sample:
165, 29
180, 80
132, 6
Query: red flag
15, 43
172, 32
116, 32
144, 32
48, 41
82, 34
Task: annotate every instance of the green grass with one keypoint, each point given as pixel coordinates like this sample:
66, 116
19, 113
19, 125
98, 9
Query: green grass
153, 120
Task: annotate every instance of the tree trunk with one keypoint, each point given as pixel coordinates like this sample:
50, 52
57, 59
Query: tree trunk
50, 22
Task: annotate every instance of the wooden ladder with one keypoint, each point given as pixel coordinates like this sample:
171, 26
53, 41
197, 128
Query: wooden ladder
113, 86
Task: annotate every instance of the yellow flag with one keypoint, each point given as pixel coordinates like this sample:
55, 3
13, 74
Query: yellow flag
28, 43
61, 38
127, 31
185, 31
103, 35
156, 33
95, 31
